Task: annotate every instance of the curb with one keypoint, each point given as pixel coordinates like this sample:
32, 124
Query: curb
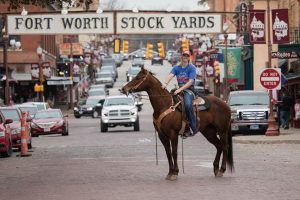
280, 141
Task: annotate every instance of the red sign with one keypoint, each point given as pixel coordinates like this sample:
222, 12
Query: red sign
270, 78
280, 24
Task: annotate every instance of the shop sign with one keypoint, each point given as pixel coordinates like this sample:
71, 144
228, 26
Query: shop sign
285, 55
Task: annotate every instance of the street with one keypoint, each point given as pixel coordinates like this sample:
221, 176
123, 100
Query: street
121, 164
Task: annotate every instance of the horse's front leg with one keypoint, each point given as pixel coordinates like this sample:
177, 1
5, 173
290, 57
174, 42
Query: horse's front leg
166, 142
174, 142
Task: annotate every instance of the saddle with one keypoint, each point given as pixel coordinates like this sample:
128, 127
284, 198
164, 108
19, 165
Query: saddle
200, 103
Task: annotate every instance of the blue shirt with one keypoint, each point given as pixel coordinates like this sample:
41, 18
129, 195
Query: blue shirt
183, 74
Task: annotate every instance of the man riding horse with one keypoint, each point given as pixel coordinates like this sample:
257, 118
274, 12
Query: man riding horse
185, 73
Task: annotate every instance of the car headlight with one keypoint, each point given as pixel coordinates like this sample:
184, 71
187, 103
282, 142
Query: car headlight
133, 111
104, 112
89, 108
2, 133
75, 108
60, 123
234, 115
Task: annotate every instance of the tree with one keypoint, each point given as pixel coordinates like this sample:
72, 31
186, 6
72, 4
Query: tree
15, 4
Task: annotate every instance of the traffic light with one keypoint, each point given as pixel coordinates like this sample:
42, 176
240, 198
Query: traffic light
217, 72
149, 51
117, 45
160, 49
217, 68
125, 46
185, 45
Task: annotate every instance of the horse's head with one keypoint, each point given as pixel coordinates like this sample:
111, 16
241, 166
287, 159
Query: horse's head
138, 83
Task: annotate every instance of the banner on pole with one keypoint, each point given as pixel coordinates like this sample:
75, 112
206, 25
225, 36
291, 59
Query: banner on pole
257, 26
280, 26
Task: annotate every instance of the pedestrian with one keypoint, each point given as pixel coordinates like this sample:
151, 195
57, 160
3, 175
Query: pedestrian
285, 105
185, 73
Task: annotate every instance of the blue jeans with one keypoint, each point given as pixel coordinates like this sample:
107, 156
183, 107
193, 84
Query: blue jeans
188, 103
285, 118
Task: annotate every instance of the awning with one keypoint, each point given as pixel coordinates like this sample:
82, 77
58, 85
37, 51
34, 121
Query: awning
22, 76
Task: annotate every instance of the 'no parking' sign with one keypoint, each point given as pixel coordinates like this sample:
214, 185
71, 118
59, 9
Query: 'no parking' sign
270, 78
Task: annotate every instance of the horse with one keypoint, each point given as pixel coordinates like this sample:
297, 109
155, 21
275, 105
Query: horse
215, 122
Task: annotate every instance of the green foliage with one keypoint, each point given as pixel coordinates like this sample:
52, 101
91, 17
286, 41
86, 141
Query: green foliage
15, 4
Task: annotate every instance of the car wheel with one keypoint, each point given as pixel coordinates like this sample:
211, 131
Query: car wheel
77, 116
137, 125
103, 127
65, 133
29, 146
9, 150
95, 114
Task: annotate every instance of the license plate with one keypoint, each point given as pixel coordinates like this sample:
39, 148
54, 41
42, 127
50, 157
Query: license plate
234, 127
46, 129
254, 127
80, 112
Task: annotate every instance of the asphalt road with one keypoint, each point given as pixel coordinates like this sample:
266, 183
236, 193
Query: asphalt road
121, 164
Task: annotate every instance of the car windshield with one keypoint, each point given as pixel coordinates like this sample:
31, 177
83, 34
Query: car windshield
137, 61
198, 83
92, 102
47, 115
96, 93
249, 99
108, 62
119, 101
82, 102
31, 110
11, 114
134, 71
103, 75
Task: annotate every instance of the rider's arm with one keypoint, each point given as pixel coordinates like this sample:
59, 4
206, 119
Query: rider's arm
168, 79
187, 85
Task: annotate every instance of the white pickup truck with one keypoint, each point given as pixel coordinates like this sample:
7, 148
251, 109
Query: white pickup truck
249, 111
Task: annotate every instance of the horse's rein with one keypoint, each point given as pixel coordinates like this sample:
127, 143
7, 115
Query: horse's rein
136, 86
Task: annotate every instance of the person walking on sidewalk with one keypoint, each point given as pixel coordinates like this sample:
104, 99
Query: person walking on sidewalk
285, 105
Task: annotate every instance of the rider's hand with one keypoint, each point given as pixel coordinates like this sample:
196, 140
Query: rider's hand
177, 91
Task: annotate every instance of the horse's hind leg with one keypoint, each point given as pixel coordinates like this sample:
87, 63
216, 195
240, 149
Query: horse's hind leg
166, 142
224, 144
211, 135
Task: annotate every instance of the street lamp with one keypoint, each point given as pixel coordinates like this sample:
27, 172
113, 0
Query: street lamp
39, 52
5, 43
225, 90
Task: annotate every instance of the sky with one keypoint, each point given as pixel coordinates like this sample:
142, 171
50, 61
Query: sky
180, 5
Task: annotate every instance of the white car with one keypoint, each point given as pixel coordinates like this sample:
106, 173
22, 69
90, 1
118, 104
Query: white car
119, 110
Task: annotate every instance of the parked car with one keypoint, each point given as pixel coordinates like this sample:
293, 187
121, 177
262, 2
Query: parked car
111, 69
31, 109
132, 72
199, 88
108, 61
249, 111
40, 105
157, 60
137, 62
105, 78
175, 58
5, 137
119, 110
169, 54
14, 114
98, 86
97, 92
47, 122
91, 107
118, 59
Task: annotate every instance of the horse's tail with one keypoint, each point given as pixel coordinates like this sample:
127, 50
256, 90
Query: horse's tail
230, 150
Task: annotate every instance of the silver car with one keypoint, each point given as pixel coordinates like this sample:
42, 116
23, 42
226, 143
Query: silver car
106, 78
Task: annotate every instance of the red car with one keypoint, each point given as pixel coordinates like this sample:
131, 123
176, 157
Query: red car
15, 114
50, 121
5, 137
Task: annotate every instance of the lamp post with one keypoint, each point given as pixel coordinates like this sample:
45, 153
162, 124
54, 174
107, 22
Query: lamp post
71, 75
39, 52
5, 42
225, 90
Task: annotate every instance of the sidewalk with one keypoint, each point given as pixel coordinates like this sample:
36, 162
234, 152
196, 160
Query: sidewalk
289, 136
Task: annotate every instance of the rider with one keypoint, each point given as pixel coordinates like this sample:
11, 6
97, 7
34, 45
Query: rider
185, 73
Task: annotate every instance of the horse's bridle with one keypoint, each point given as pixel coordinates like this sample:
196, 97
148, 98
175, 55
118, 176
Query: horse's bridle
136, 86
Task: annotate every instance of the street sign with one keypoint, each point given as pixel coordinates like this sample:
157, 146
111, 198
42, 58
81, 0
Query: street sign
270, 78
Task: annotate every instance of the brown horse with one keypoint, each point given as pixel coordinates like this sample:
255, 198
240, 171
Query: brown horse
214, 122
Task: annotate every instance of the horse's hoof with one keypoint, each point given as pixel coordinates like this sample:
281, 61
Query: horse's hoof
168, 177
219, 174
173, 178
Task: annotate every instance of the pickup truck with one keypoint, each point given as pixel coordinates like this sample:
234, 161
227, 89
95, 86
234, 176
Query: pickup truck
249, 111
